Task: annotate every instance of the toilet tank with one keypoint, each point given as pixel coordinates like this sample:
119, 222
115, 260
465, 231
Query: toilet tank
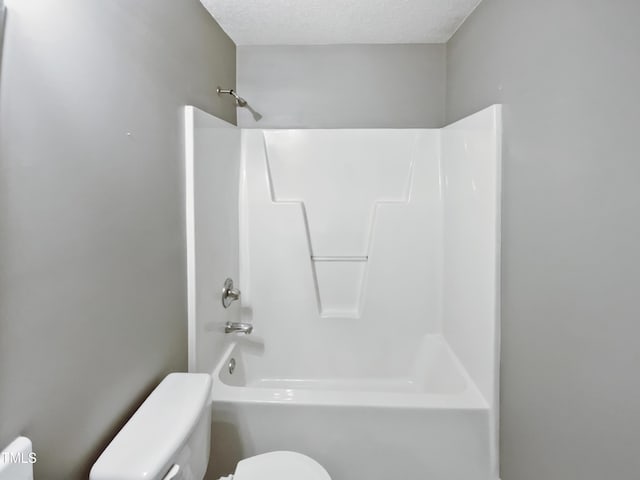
168, 436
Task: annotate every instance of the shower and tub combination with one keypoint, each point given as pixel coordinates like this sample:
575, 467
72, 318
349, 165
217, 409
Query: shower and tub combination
366, 270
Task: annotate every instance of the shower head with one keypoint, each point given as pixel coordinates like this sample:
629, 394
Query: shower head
240, 102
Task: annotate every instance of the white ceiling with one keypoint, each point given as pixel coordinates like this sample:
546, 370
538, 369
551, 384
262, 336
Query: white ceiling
321, 22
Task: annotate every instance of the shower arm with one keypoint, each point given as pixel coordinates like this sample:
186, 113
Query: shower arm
241, 102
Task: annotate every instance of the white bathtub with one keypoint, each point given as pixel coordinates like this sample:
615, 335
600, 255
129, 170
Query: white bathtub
429, 423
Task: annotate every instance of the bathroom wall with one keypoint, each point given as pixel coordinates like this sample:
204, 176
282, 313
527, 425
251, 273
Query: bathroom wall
568, 74
342, 86
92, 247
2, 11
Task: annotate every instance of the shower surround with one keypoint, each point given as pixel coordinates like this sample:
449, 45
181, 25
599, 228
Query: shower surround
369, 267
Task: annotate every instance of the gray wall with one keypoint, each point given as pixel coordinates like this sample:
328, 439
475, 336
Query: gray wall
92, 248
569, 74
337, 86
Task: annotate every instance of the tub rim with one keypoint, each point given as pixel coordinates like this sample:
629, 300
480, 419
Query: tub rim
469, 399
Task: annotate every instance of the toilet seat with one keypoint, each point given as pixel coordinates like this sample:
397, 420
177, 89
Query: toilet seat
280, 466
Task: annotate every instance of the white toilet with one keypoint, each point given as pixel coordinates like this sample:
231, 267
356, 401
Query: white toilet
168, 438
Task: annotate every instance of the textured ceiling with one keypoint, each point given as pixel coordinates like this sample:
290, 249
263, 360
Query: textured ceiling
320, 22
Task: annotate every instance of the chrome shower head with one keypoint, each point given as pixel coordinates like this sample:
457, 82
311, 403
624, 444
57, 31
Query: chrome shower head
240, 102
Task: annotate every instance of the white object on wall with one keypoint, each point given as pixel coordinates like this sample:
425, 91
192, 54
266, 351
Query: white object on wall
16, 460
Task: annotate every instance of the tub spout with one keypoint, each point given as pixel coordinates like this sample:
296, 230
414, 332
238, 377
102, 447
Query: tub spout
238, 327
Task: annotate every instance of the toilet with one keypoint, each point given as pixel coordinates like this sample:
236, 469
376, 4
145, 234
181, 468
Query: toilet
168, 438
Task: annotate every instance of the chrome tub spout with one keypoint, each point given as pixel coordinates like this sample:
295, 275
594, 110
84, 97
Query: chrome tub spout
238, 327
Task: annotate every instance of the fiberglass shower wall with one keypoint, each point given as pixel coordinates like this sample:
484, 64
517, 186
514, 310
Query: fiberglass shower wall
356, 244
368, 263
343, 228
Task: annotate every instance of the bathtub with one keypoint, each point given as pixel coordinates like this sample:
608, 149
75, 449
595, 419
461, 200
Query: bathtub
430, 422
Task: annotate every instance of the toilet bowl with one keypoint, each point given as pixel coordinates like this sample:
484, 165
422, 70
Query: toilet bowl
168, 438
279, 466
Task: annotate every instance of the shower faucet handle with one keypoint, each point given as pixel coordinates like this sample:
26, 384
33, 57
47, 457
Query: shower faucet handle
229, 294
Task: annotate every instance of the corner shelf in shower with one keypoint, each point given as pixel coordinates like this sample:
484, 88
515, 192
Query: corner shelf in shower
339, 282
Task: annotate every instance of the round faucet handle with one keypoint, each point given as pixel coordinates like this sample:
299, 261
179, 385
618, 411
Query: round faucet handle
229, 294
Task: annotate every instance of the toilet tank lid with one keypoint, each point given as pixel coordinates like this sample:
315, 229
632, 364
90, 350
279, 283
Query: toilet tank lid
156, 431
